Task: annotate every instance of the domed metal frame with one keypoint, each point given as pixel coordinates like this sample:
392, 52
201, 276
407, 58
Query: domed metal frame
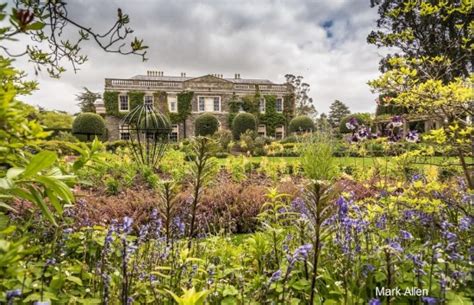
148, 131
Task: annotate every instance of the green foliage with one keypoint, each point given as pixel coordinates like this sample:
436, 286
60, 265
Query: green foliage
337, 112
87, 99
301, 123
206, 124
271, 118
317, 159
55, 119
111, 103
362, 119
88, 125
243, 122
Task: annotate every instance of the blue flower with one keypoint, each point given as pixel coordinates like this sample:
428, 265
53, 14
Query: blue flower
275, 276
375, 302
412, 136
13, 294
405, 234
429, 300
395, 246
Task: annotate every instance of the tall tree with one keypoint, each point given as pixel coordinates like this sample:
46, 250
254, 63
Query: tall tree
431, 74
87, 99
322, 123
304, 103
337, 111
424, 29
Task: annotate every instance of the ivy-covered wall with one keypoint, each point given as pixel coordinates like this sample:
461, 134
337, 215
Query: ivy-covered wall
111, 104
271, 118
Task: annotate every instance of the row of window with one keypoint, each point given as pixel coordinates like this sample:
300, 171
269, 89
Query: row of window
205, 103
174, 134
124, 133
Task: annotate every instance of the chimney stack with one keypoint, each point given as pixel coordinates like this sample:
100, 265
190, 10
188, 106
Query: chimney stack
183, 74
237, 76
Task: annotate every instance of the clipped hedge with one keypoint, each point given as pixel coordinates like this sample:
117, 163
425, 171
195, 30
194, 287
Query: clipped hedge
302, 123
87, 126
243, 122
206, 124
362, 119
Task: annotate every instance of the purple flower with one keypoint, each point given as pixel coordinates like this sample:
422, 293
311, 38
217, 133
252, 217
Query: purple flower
366, 269
363, 133
405, 234
375, 302
302, 252
412, 136
13, 294
275, 276
429, 300
397, 121
127, 225
343, 206
352, 124
465, 223
395, 246
42, 303
179, 226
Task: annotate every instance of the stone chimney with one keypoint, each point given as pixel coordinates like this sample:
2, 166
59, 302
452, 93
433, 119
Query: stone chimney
237, 76
183, 74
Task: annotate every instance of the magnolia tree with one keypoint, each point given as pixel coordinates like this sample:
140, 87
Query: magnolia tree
422, 92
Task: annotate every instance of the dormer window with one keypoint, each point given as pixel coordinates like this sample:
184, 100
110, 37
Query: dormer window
124, 105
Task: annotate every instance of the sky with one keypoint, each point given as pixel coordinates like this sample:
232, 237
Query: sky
323, 41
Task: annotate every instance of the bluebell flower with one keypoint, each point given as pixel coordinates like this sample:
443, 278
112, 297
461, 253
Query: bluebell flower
375, 302
42, 303
275, 276
405, 234
366, 269
13, 294
395, 246
465, 223
127, 225
429, 300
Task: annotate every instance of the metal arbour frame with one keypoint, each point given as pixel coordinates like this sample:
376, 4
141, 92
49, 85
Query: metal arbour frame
148, 131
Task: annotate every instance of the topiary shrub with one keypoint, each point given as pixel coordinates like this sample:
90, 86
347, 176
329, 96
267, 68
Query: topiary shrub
87, 126
243, 122
206, 124
300, 124
362, 119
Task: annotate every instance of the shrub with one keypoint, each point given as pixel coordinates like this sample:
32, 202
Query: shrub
362, 119
206, 124
301, 124
224, 137
87, 126
243, 122
289, 139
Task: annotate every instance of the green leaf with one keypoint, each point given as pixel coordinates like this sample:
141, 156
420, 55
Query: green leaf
75, 279
40, 162
38, 199
36, 26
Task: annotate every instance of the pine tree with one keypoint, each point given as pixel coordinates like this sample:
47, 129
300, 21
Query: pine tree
337, 111
86, 100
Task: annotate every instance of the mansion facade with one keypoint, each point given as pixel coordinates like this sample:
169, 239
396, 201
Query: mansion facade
205, 94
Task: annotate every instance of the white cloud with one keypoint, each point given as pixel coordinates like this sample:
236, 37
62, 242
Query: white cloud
258, 39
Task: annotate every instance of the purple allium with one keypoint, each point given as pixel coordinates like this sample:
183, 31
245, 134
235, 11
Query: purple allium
412, 136
429, 300
352, 124
405, 234
375, 302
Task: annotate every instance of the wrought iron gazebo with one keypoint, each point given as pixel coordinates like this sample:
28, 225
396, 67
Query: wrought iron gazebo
148, 131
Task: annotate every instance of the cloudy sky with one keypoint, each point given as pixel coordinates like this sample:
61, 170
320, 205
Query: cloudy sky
324, 41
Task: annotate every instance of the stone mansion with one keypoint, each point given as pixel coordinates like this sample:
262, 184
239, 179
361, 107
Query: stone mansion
206, 94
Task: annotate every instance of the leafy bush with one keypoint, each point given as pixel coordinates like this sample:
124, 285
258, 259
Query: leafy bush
243, 122
224, 137
362, 119
289, 139
206, 124
87, 126
301, 124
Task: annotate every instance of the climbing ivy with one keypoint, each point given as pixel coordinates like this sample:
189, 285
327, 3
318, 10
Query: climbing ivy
111, 103
271, 118
289, 107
